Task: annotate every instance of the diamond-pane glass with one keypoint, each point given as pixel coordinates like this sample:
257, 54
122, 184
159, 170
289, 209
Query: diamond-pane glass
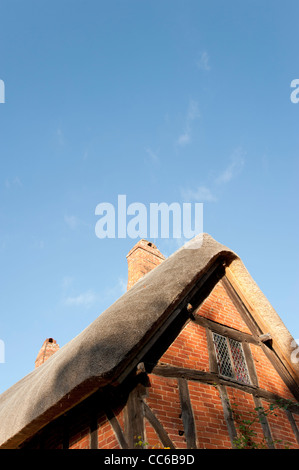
239, 361
230, 358
223, 356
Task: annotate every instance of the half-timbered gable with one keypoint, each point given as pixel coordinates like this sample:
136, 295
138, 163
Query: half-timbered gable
189, 352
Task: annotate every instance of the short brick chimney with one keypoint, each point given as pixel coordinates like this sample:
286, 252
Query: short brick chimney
143, 257
48, 348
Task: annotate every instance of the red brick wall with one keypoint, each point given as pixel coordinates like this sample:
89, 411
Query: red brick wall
211, 429
80, 440
152, 440
243, 407
106, 435
268, 377
219, 308
79, 430
143, 257
281, 430
163, 399
190, 351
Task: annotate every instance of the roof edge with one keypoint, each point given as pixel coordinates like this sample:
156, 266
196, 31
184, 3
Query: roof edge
263, 313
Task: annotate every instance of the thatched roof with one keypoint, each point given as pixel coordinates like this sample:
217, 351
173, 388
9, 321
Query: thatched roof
112, 345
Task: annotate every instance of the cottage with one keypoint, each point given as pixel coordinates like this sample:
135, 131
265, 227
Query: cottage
191, 350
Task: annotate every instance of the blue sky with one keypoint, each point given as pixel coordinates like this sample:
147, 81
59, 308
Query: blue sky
161, 101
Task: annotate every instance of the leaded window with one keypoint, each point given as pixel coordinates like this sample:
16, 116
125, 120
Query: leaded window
230, 358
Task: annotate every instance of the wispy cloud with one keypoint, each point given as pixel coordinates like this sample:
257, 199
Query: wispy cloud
71, 298
207, 193
60, 137
237, 161
85, 299
74, 222
15, 182
192, 114
152, 156
122, 285
67, 281
201, 194
117, 290
203, 62
184, 138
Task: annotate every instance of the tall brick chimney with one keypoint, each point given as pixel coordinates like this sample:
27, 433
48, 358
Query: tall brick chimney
143, 257
48, 348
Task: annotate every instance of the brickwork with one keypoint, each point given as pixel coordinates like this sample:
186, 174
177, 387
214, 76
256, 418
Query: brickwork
119, 413
218, 307
152, 439
211, 429
143, 257
296, 419
281, 430
106, 436
243, 407
49, 347
79, 429
163, 399
268, 377
81, 440
189, 349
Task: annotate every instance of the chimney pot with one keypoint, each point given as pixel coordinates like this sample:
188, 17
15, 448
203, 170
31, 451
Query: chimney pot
49, 347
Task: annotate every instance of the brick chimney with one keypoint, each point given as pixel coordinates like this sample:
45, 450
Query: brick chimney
48, 348
143, 257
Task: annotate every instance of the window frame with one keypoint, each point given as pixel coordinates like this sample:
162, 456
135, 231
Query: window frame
232, 361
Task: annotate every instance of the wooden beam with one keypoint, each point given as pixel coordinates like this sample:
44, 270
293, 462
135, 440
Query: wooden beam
213, 366
281, 369
134, 418
266, 337
293, 424
250, 364
224, 330
116, 428
162, 434
165, 370
264, 422
228, 416
94, 441
187, 414
243, 311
